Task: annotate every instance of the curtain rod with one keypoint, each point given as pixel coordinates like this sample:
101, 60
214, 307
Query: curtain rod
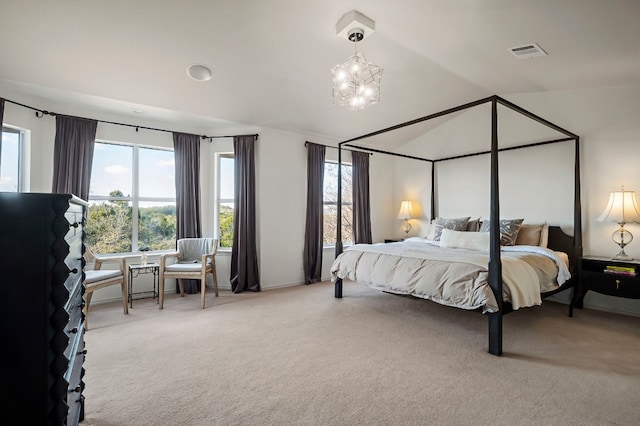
335, 147
41, 113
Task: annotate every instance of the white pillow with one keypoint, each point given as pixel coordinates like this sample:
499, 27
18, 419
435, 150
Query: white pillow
465, 239
431, 233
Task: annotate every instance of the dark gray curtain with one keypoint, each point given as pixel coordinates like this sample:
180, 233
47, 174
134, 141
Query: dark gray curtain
1, 118
312, 255
186, 150
73, 155
244, 257
361, 202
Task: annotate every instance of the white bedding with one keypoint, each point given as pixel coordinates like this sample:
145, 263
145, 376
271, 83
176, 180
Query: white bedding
452, 276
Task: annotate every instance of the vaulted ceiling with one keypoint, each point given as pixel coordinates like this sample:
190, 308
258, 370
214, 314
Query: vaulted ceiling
271, 59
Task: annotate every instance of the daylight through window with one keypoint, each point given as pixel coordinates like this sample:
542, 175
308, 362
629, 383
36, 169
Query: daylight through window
132, 199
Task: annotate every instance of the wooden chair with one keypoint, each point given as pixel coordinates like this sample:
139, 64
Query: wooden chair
195, 260
97, 278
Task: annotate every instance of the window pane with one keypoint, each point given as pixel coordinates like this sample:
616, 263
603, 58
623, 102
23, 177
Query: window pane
330, 183
227, 178
330, 224
157, 173
111, 172
226, 224
157, 225
109, 226
9, 161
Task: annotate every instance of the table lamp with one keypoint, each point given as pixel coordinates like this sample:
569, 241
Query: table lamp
622, 208
405, 213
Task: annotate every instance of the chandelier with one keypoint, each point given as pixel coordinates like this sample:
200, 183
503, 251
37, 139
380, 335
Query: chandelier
356, 82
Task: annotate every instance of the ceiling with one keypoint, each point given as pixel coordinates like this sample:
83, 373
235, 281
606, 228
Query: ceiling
272, 58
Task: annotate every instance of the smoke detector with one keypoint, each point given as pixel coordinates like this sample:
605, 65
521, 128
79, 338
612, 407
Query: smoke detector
531, 50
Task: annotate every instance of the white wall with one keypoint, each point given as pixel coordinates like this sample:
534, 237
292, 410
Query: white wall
537, 184
281, 175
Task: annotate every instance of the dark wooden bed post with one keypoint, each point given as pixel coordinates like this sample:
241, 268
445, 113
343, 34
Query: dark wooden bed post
495, 264
433, 190
577, 208
338, 283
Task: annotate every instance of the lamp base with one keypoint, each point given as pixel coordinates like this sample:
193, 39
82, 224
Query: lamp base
406, 227
622, 238
622, 256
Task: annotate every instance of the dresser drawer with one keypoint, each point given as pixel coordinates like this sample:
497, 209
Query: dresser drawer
74, 327
76, 387
611, 284
76, 222
74, 258
73, 281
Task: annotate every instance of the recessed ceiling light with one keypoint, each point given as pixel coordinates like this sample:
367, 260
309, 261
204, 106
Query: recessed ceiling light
200, 72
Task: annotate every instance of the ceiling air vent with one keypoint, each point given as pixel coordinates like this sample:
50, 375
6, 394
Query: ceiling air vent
527, 51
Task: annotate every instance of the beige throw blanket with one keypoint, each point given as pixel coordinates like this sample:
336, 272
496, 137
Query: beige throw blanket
452, 276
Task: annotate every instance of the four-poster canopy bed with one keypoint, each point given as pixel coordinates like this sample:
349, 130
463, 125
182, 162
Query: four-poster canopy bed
494, 279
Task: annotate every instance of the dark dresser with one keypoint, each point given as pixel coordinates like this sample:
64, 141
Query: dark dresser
41, 273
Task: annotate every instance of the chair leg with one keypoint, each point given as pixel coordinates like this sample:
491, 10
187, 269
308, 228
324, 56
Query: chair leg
215, 281
181, 287
161, 292
125, 298
203, 290
85, 310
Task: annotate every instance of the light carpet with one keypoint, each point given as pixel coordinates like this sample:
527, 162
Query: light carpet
298, 356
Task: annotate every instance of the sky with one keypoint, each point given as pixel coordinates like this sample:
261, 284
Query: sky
113, 170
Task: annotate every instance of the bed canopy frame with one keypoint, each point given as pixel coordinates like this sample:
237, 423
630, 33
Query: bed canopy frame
574, 247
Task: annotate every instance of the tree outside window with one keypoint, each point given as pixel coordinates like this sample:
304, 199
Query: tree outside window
132, 201
330, 205
226, 204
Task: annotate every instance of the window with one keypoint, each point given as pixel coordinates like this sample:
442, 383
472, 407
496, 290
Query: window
226, 188
132, 199
330, 204
11, 160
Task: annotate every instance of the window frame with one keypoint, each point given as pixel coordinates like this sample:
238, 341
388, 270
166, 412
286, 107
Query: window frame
219, 201
21, 186
335, 203
135, 198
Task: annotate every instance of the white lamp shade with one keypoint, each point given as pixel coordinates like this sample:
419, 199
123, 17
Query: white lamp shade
622, 208
406, 210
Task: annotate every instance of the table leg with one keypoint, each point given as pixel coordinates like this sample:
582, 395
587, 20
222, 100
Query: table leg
156, 281
130, 284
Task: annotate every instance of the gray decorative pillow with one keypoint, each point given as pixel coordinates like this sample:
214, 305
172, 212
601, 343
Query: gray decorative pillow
473, 225
509, 229
457, 224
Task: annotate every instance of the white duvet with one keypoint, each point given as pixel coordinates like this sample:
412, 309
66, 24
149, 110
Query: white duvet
452, 276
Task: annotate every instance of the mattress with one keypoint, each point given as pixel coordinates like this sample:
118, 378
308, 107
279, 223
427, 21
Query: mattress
453, 276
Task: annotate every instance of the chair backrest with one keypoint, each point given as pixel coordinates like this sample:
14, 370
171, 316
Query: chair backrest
193, 248
89, 257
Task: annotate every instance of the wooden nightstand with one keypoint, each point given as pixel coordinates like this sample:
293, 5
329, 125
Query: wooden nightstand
592, 276
393, 240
